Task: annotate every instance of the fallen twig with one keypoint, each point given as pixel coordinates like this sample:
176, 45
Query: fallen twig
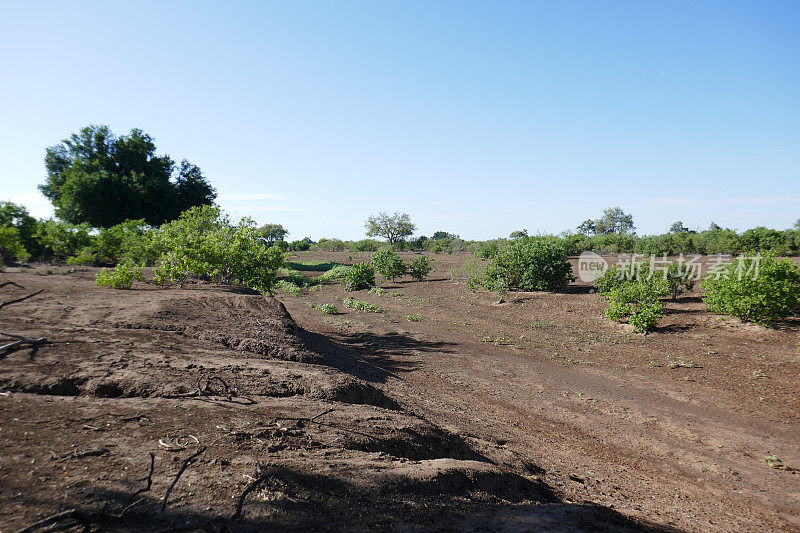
7, 283
149, 477
189, 460
20, 299
250, 488
22, 342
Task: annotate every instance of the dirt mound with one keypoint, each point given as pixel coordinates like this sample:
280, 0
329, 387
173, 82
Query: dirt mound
214, 393
242, 322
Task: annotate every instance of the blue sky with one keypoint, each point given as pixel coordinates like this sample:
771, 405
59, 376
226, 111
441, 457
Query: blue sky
477, 118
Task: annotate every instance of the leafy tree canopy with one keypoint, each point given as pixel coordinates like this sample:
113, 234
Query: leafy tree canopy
518, 234
272, 233
101, 179
393, 228
613, 221
440, 235
678, 227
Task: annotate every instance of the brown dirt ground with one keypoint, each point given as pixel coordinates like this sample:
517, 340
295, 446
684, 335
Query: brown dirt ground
534, 414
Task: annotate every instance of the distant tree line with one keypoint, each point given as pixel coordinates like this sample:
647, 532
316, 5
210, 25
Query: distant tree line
111, 194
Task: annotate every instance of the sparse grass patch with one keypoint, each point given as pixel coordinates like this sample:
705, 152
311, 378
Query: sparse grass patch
412, 318
360, 305
289, 287
325, 309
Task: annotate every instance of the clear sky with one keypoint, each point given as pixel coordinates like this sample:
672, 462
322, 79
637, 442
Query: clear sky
477, 118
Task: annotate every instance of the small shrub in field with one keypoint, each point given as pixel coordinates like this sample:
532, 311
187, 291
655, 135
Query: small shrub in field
388, 264
487, 250
359, 276
122, 277
325, 309
756, 289
420, 267
679, 279
337, 272
288, 286
473, 273
533, 264
203, 243
360, 305
617, 276
638, 301
412, 318
669, 279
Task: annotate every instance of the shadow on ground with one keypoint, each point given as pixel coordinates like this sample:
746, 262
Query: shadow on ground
372, 357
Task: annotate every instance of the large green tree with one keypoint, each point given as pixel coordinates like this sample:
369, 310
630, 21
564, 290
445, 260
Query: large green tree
614, 220
96, 177
393, 228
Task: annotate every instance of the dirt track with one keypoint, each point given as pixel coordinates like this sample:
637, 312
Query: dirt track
476, 416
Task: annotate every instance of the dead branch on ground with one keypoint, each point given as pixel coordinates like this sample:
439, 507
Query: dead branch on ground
189, 460
21, 340
250, 488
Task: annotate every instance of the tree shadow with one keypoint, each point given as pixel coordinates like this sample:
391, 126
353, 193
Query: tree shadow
575, 289
687, 300
674, 328
370, 356
285, 498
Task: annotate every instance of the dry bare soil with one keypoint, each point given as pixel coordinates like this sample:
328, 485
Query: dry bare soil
446, 411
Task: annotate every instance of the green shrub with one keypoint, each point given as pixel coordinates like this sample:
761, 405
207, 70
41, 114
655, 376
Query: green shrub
326, 309
756, 289
122, 277
17, 216
337, 272
531, 264
679, 279
85, 256
60, 240
129, 241
388, 264
330, 245
365, 245
11, 247
420, 267
359, 276
617, 276
472, 272
300, 246
352, 303
487, 250
288, 286
638, 301
203, 243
